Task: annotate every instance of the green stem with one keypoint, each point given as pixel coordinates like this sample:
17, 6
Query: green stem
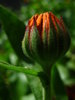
48, 86
18, 68
48, 93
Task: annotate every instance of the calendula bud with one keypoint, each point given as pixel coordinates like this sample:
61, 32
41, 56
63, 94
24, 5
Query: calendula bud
46, 39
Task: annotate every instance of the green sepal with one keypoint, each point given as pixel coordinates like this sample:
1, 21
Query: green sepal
36, 44
63, 41
25, 44
45, 45
55, 40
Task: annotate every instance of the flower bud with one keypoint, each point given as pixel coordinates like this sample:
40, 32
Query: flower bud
46, 39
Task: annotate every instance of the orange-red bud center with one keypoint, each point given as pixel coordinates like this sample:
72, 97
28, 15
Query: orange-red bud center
44, 21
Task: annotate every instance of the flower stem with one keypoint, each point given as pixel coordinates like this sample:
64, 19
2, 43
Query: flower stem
48, 93
25, 70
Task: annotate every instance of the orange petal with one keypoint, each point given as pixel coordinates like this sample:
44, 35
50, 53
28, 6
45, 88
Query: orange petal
39, 23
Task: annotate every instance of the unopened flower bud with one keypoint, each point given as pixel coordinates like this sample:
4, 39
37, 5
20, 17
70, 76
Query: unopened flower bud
46, 39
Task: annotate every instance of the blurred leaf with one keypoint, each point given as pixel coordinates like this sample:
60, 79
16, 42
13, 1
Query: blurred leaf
67, 75
14, 29
28, 97
58, 86
36, 87
19, 68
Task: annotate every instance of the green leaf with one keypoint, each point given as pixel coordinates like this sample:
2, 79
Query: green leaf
14, 29
36, 87
58, 87
19, 68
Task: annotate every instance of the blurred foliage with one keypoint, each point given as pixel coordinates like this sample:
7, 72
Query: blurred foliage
14, 86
